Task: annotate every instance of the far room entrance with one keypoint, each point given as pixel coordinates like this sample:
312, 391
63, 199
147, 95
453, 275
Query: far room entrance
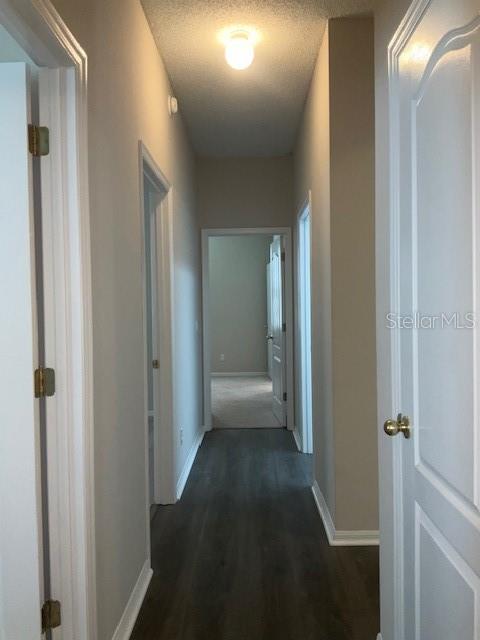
247, 301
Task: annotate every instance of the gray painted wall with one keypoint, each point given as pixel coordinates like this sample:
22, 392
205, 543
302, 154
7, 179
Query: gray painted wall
238, 302
334, 157
245, 192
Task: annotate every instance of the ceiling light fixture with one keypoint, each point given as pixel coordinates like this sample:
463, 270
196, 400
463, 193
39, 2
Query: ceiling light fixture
239, 50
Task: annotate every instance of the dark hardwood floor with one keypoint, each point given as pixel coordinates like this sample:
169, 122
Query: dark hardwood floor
243, 555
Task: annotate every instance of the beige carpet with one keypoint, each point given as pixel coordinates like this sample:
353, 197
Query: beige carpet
242, 402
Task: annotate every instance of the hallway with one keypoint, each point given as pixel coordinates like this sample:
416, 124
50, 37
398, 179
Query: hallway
240, 383
244, 556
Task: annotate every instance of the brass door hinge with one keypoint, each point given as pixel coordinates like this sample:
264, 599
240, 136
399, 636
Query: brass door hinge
38, 140
44, 382
51, 615
284, 396
283, 256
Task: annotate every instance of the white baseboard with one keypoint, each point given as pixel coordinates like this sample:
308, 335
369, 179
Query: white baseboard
357, 538
296, 437
324, 512
239, 374
129, 617
187, 467
338, 538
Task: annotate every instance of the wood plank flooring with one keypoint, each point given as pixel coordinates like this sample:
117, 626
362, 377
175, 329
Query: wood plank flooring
243, 555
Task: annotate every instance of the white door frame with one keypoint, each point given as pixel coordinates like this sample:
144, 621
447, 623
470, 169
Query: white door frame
304, 327
41, 32
165, 472
269, 320
286, 233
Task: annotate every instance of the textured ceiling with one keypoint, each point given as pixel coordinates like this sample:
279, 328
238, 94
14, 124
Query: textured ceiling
254, 112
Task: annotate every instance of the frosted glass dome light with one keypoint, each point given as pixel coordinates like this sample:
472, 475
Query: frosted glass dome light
239, 51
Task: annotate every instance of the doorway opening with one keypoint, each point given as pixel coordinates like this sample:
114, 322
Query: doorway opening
155, 193
248, 375
153, 196
304, 324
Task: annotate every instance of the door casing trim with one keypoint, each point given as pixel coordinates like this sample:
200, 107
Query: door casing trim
304, 211
165, 455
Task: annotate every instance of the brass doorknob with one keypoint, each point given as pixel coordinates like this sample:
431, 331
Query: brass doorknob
269, 337
400, 425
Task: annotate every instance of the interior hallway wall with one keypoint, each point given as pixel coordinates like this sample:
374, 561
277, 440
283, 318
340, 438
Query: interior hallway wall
334, 157
245, 192
127, 101
352, 207
238, 303
312, 172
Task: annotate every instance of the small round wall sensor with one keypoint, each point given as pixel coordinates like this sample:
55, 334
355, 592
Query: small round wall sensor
172, 105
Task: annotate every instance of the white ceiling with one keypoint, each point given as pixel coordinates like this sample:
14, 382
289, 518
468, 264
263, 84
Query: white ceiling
254, 112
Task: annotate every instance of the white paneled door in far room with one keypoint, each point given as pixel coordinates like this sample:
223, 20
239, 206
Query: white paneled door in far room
277, 328
21, 573
269, 322
435, 247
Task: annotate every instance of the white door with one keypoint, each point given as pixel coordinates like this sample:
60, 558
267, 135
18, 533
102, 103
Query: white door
152, 208
153, 363
278, 334
20, 494
435, 244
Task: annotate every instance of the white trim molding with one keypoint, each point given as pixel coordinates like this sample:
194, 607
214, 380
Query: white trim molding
339, 538
165, 431
356, 539
303, 322
134, 604
298, 439
324, 512
187, 467
239, 374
